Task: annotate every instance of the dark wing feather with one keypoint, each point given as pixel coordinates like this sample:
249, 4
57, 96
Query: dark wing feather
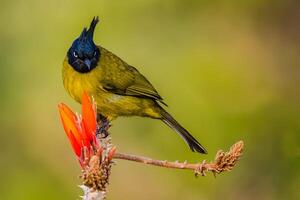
130, 82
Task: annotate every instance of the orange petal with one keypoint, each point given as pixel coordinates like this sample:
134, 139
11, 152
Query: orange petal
89, 116
75, 145
68, 118
67, 110
86, 140
73, 131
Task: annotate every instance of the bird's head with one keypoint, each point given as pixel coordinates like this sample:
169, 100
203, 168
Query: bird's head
84, 55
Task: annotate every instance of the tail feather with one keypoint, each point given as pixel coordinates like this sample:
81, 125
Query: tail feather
187, 137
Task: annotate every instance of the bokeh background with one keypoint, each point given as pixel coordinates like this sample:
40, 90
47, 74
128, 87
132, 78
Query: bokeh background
229, 70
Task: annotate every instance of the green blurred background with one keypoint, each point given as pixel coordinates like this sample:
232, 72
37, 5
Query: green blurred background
229, 70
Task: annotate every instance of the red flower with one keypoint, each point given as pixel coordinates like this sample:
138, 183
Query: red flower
81, 131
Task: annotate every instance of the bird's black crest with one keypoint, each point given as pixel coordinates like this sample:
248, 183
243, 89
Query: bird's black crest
88, 34
84, 55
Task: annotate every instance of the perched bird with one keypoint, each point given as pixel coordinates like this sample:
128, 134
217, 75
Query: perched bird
118, 88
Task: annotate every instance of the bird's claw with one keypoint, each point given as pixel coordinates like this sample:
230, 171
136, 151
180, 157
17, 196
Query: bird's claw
102, 128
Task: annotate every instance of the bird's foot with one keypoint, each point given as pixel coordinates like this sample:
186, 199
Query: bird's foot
103, 126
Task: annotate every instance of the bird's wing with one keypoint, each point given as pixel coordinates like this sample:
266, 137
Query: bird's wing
129, 81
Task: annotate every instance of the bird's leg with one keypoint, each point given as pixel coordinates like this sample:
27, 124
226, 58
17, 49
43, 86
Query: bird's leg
103, 126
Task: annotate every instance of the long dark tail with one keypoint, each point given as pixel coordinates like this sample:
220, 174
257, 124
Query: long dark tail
188, 138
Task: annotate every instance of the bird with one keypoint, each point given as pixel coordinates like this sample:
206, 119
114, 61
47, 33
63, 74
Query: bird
118, 88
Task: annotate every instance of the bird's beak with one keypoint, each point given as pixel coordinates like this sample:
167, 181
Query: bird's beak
87, 62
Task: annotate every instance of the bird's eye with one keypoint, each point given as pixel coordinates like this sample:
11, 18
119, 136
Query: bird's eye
75, 54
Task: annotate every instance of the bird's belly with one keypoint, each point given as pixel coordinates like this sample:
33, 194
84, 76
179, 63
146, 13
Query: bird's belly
113, 105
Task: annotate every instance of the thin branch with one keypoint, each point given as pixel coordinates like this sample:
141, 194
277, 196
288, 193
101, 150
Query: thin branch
224, 161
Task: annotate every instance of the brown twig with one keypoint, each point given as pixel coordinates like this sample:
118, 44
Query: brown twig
224, 161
